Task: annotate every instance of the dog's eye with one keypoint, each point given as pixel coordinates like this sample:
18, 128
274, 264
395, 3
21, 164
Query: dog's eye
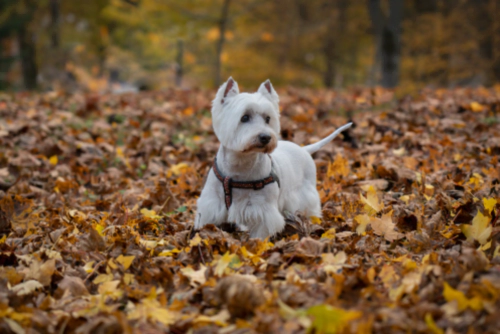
268, 119
245, 119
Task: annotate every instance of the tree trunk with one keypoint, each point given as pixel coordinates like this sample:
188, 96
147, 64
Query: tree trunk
179, 69
387, 33
27, 52
391, 45
55, 10
495, 40
5, 62
220, 42
377, 19
336, 24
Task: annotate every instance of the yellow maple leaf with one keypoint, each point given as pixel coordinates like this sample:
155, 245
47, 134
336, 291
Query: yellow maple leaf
432, 325
489, 204
363, 221
88, 267
219, 319
262, 246
53, 160
479, 230
151, 309
224, 262
462, 302
333, 264
476, 180
372, 202
110, 288
128, 278
170, 252
177, 169
249, 255
195, 241
328, 319
100, 229
315, 220
339, 167
151, 214
330, 234
103, 278
126, 261
476, 106
196, 277
119, 152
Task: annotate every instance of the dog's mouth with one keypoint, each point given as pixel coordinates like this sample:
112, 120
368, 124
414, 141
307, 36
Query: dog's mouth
264, 148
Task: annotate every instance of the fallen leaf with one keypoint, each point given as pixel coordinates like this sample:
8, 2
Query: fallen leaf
328, 319
454, 296
151, 214
489, 204
476, 107
432, 325
385, 227
372, 202
224, 262
196, 277
53, 160
479, 230
125, 261
363, 221
27, 287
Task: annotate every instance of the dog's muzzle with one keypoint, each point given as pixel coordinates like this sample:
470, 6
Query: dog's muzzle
264, 139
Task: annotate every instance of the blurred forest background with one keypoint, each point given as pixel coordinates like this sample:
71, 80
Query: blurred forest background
120, 45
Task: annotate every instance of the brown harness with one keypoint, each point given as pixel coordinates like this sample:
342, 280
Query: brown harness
228, 183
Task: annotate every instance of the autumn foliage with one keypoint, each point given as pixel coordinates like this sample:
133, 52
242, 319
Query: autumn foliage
99, 192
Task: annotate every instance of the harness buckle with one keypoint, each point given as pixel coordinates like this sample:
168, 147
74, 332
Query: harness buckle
258, 185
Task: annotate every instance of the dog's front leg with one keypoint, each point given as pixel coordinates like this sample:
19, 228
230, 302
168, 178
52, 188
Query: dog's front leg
211, 210
272, 222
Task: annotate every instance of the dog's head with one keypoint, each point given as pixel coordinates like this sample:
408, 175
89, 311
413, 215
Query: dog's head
246, 122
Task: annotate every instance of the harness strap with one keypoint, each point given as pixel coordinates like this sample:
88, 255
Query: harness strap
228, 183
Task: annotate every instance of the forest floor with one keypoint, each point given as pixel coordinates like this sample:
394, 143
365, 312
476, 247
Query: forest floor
97, 234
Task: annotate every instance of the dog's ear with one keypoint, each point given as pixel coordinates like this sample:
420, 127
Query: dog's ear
267, 89
227, 90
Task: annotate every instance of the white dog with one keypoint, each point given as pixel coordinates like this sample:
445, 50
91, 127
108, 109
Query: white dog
255, 177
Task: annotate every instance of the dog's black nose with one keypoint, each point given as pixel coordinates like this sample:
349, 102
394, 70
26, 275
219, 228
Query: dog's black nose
264, 139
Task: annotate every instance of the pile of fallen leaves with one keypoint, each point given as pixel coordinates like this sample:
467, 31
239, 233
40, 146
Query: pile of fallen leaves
98, 195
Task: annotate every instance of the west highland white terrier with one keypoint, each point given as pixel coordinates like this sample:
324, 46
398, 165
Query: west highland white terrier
255, 177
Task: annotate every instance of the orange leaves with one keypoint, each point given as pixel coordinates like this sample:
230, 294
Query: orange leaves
338, 168
476, 107
104, 236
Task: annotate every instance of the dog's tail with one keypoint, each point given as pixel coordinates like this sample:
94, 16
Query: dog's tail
313, 148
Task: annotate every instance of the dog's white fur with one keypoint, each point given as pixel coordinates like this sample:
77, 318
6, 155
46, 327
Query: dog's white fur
242, 157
